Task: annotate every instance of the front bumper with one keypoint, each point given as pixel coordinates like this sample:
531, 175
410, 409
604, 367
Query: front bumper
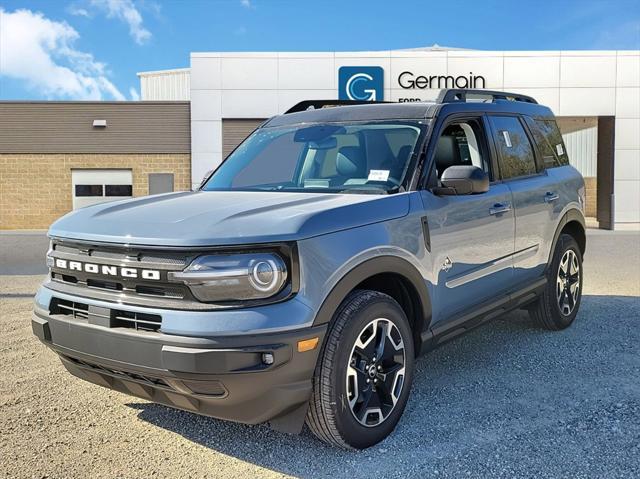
224, 377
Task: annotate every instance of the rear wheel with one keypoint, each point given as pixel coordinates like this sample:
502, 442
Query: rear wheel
362, 381
558, 306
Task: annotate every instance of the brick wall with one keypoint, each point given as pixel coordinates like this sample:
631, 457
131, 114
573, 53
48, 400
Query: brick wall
35, 189
591, 196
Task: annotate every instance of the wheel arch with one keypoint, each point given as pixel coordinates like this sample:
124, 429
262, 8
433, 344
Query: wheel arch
572, 223
390, 275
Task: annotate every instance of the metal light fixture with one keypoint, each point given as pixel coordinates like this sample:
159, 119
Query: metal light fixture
99, 123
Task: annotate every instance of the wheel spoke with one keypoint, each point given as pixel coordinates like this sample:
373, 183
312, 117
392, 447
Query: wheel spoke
570, 300
564, 265
574, 264
366, 341
381, 332
574, 288
390, 378
362, 405
562, 300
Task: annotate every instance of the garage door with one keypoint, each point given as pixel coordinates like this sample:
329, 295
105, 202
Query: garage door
234, 131
93, 186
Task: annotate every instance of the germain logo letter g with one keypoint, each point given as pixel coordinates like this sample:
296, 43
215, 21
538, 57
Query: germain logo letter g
361, 83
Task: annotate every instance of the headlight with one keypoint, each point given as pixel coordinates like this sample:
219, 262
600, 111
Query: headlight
234, 277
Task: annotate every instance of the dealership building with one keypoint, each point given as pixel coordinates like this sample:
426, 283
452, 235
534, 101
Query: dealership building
58, 156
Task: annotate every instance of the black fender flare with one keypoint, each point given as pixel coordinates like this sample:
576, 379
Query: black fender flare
573, 214
368, 269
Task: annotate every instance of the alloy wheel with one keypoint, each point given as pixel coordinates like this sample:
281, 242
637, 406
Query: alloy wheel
568, 282
376, 371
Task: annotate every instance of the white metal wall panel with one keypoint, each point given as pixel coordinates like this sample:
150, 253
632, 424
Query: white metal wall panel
170, 85
581, 140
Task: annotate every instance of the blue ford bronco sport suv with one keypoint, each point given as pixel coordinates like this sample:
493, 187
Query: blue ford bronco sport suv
305, 275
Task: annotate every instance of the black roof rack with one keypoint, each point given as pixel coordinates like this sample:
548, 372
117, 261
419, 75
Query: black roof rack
317, 104
452, 95
446, 95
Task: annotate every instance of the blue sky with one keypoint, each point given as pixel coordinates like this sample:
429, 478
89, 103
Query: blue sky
92, 49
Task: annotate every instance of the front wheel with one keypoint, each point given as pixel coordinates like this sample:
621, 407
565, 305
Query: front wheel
558, 306
362, 381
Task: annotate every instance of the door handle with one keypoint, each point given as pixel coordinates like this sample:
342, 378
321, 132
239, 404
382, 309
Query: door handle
550, 196
499, 208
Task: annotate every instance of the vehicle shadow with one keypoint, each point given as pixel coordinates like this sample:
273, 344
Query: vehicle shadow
478, 404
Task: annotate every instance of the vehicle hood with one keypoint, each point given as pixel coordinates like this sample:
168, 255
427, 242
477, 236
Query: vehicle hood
210, 218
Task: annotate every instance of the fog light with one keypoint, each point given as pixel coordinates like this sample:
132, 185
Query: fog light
267, 358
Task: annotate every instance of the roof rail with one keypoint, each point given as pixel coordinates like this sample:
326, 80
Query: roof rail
452, 95
317, 104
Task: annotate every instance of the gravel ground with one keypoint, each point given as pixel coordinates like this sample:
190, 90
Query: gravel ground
507, 400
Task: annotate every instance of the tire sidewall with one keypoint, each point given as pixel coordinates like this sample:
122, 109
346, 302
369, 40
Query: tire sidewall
354, 433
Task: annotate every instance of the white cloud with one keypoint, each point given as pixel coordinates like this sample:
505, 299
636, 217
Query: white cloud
127, 12
41, 52
78, 11
133, 93
246, 3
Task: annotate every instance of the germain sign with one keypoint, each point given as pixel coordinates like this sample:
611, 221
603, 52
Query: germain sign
408, 80
366, 83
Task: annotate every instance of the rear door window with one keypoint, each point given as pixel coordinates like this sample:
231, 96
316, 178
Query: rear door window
515, 152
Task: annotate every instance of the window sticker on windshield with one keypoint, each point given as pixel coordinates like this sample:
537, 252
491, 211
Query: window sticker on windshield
378, 175
559, 149
507, 138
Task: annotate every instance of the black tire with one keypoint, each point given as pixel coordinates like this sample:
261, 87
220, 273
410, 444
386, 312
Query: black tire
330, 416
547, 311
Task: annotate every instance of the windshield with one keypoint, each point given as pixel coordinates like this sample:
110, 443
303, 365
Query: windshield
346, 158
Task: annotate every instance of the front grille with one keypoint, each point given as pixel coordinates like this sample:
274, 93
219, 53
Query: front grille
172, 292
130, 319
69, 308
111, 284
169, 259
112, 318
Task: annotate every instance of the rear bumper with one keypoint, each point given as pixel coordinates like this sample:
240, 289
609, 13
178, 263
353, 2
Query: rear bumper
223, 377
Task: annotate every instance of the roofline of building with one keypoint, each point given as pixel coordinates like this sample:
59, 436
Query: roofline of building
164, 72
434, 49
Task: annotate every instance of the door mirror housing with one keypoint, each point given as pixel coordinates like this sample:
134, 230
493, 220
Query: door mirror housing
463, 180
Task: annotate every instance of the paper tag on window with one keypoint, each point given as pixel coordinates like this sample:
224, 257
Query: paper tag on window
378, 175
507, 138
559, 149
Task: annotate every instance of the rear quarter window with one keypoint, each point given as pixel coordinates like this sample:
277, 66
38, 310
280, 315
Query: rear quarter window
549, 141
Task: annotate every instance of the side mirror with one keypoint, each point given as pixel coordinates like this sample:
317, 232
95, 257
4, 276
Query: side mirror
463, 180
205, 178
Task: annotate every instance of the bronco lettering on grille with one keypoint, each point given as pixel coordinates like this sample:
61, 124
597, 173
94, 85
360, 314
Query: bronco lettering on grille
106, 270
